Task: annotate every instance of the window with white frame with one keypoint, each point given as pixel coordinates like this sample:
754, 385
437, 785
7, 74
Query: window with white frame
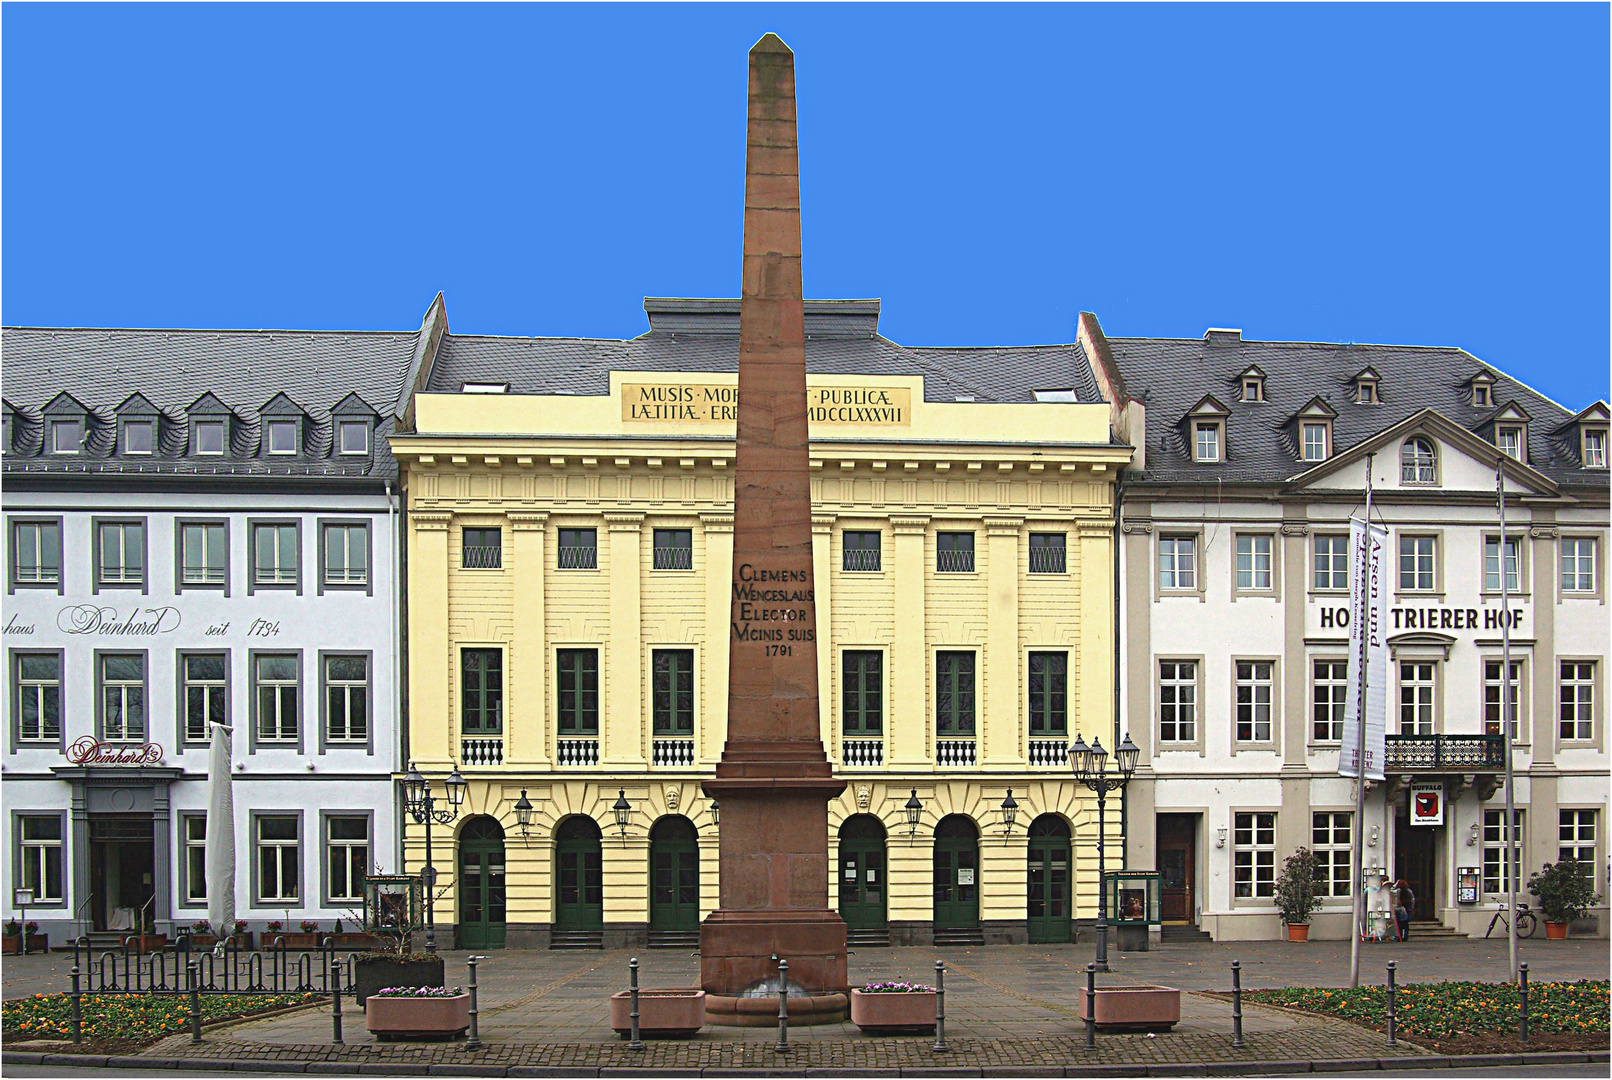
36, 553
122, 553
1578, 564
1253, 701
39, 697
1491, 564
347, 849
354, 436
1595, 448
274, 558
1253, 854
1416, 697
346, 699
1331, 562
282, 436
201, 553
195, 833
123, 697
346, 554
209, 437
206, 695
1206, 442
1330, 686
1576, 839
1418, 464
1416, 563
1509, 440
1315, 442
1329, 839
1491, 696
1494, 846
1178, 701
139, 436
278, 855
276, 685
1577, 699
40, 848
1254, 562
1178, 565
66, 436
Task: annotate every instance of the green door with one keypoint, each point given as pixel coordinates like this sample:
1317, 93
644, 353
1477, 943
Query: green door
579, 857
862, 881
957, 860
674, 875
1048, 911
481, 884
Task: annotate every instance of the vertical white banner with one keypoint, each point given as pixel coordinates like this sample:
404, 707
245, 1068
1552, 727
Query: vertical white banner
1369, 586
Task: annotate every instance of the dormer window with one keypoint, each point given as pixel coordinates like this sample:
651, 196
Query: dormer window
1315, 442
1253, 389
1595, 448
139, 436
1366, 392
282, 436
1206, 441
1509, 440
66, 436
209, 437
353, 437
1482, 394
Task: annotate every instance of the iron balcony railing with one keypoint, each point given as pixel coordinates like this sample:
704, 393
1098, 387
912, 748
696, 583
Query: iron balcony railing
954, 562
579, 557
1421, 753
483, 556
861, 558
674, 558
1047, 560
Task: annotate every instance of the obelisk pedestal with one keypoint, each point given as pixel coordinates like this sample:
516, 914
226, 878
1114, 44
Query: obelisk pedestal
774, 780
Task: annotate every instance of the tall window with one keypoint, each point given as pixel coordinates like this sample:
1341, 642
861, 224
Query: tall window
277, 711
1576, 839
1491, 564
1417, 462
278, 853
39, 698
482, 683
1329, 839
274, 550
862, 693
1491, 696
674, 549
1509, 440
861, 550
1253, 701
1315, 442
201, 554
123, 698
954, 694
1178, 562
346, 554
1049, 694
1595, 449
1416, 697
1047, 553
1331, 684
36, 552
1494, 846
954, 552
206, 695
195, 835
122, 553
1206, 442
1253, 854
579, 549
1578, 700
1253, 562
347, 848
1578, 564
673, 692
346, 699
41, 852
1178, 701
1416, 563
483, 549
1331, 562
579, 691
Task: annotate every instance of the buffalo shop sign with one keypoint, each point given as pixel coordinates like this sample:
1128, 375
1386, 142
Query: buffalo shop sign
703, 403
87, 751
1427, 804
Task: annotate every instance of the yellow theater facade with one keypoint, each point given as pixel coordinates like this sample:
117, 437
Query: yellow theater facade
570, 585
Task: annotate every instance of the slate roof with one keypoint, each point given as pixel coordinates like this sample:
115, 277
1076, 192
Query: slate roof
180, 370
1171, 375
703, 336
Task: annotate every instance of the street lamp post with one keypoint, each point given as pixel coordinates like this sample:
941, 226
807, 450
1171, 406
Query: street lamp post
421, 805
1091, 768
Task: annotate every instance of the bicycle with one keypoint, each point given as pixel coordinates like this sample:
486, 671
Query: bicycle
1527, 921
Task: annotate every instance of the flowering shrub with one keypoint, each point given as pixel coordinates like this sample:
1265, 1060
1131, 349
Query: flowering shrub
240, 926
308, 926
418, 992
32, 927
274, 926
201, 926
897, 988
1452, 1009
140, 1017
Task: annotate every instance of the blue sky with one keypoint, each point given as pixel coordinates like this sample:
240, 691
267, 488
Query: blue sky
1373, 173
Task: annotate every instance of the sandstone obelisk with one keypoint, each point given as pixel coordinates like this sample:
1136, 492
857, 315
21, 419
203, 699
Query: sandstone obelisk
774, 780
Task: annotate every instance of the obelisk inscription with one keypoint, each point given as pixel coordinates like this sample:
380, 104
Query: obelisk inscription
774, 780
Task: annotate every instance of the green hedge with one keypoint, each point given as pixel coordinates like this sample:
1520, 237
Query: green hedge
140, 1017
1451, 1009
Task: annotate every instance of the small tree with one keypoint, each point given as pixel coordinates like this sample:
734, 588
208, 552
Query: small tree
1295, 887
1565, 890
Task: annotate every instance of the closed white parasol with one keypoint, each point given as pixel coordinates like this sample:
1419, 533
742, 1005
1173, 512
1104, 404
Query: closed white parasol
220, 851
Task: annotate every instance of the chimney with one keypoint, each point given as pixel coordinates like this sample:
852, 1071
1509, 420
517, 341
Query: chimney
1216, 337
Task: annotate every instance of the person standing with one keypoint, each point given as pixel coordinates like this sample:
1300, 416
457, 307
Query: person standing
1404, 904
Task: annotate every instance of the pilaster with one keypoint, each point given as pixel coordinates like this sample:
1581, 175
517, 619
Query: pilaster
1003, 738
526, 728
909, 648
822, 581
1544, 677
1295, 674
623, 721
712, 728
1092, 680
430, 653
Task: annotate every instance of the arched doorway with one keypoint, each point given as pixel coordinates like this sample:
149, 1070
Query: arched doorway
862, 877
578, 860
1048, 865
957, 860
674, 876
481, 884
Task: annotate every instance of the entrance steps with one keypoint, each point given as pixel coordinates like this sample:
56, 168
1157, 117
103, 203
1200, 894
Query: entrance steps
101, 941
868, 939
576, 939
959, 935
1183, 935
674, 939
1431, 928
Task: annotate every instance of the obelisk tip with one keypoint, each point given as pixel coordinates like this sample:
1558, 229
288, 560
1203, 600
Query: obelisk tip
771, 43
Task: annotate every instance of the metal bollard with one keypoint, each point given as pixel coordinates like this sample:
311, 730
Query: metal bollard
1091, 1008
473, 1039
783, 1008
634, 1043
1392, 1024
1522, 988
195, 1004
1236, 1004
335, 1014
940, 1046
78, 1008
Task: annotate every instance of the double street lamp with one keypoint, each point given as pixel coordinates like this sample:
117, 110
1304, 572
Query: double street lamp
1090, 764
421, 805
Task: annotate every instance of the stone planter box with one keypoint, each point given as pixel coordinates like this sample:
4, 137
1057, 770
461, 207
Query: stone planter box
1134, 1008
670, 1013
352, 941
890, 1014
373, 973
417, 1018
37, 943
291, 941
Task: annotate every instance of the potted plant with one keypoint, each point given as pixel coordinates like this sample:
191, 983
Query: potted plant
241, 935
417, 1012
32, 940
201, 935
885, 1008
1295, 893
1565, 891
13, 938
